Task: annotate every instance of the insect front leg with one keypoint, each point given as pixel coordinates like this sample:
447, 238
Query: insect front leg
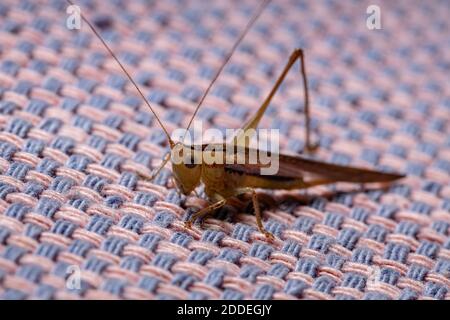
205, 211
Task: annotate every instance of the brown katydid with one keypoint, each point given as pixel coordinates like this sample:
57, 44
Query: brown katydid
224, 181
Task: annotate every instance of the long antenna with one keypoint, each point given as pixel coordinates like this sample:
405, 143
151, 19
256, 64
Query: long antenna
127, 74
255, 16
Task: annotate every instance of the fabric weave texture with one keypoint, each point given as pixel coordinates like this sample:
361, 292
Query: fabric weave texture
76, 139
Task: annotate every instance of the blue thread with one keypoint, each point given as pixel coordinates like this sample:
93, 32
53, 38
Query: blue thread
114, 286
52, 85
164, 261
291, 247
387, 211
408, 294
112, 161
143, 118
132, 223
261, 251
18, 170
114, 245
149, 241
97, 142
250, 272
82, 122
129, 180
163, 177
78, 162
359, 214
435, 290
354, 280
307, 266
215, 277
304, 224
421, 207
173, 197
213, 236
36, 107
278, 270
376, 232
320, 243
30, 272
50, 125
199, 256
63, 227
64, 144
362, 255
295, 287
9, 67
94, 182
4, 234
34, 146
183, 280
17, 211
99, 224
79, 203
33, 231
230, 294
149, 283
335, 261
428, 249
389, 276
47, 207
13, 253
163, 219
439, 226
230, 255
114, 201
396, 252
131, 263
13, 294
333, 220
407, 228
61, 184
242, 232
375, 296
6, 189
324, 284
7, 107
113, 121
442, 266
80, 247
319, 203
95, 265
145, 199
264, 292
48, 250
23, 87
130, 140
45, 292
19, 127
7, 150
417, 272
348, 238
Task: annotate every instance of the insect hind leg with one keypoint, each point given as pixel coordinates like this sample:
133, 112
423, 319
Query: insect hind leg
252, 123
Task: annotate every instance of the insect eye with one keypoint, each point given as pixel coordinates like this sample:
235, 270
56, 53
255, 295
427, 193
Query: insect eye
190, 165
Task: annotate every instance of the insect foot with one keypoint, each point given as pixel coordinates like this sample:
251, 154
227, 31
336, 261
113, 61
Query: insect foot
268, 235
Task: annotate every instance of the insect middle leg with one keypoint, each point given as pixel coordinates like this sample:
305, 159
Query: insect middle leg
258, 216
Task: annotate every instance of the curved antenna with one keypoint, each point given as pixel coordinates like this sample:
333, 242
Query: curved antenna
171, 143
255, 16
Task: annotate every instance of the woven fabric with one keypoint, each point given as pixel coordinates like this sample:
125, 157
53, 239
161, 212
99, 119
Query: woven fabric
75, 139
